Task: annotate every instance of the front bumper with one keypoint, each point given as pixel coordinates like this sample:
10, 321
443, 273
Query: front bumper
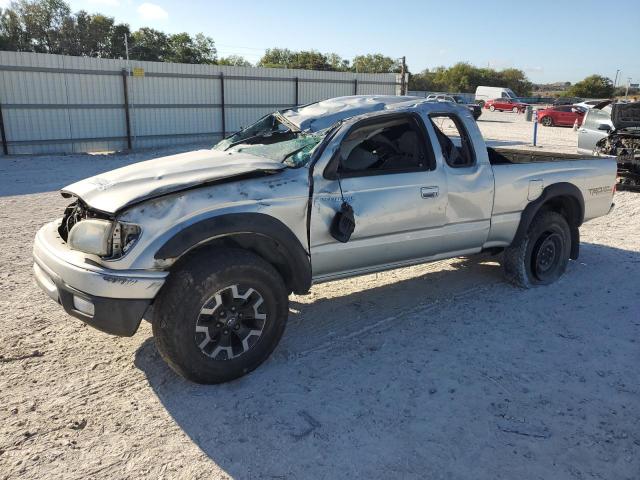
113, 301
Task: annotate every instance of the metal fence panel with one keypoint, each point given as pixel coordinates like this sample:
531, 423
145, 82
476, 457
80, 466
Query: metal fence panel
57, 103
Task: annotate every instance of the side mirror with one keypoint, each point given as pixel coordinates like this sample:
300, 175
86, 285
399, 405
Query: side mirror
343, 223
605, 127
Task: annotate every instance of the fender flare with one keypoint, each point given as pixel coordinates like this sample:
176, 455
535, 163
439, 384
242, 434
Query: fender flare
560, 190
265, 235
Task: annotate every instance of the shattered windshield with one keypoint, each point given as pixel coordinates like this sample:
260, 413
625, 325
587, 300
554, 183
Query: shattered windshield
275, 138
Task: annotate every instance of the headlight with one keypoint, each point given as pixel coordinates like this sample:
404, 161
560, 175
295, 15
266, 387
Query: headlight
103, 237
91, 236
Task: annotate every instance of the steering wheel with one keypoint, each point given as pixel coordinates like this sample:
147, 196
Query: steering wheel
384, 149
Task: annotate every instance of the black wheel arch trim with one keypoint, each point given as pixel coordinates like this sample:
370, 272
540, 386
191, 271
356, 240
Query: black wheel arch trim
263, 234
556, 191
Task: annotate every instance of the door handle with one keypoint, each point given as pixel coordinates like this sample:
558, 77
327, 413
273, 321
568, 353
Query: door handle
429, 192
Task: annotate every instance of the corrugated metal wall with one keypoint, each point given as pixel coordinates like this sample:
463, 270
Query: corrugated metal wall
58, 103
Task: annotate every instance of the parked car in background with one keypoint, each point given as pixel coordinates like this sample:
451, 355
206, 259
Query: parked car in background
614, 130
489, 93
474, 108
505, 105
588, 104
596, 125
563, 116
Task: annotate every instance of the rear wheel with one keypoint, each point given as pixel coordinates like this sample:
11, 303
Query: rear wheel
541, 257
547, 121
492, 108
220, 315
515, 109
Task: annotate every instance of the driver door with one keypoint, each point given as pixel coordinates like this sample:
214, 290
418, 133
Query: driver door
386, 168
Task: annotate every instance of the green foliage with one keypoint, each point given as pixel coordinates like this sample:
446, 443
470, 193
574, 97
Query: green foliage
149, 44
374, 63
285, 58
465, 78
234, 61
314, 60
48, 26
594, 86
181, 48
622, 91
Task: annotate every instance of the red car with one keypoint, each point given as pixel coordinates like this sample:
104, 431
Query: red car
505, 105
564, 115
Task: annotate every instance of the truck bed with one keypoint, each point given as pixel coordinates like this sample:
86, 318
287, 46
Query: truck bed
505, 156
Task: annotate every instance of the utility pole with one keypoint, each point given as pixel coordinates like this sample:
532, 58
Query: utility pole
126, 49
403, 69
626, 93
615, 82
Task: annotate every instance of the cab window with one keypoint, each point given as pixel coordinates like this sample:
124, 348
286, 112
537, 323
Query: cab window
391, 145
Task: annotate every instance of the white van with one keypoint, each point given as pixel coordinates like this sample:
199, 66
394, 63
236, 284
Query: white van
491, 93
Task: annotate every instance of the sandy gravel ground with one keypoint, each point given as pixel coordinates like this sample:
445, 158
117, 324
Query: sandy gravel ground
438, 371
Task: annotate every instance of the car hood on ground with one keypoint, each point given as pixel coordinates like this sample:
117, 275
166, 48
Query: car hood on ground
112, 191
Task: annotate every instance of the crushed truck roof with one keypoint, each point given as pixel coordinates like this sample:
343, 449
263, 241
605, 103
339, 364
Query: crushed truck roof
321, 115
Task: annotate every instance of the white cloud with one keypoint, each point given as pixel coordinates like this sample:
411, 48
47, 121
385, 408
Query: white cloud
151, 11
104, 3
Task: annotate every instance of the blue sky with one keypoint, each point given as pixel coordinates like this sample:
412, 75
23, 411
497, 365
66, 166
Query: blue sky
550, 40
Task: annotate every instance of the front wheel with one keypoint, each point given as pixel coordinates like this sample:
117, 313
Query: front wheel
542, 256
220, 315
547, 121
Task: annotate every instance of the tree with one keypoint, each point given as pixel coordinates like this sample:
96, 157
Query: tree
41, 23
206, 48
285, 58
11, 32
234, 61
594, 86
337, 63
464, 77
87, 35
48, 26
374, 63
116, 40
148, 44
181, 49
423, 81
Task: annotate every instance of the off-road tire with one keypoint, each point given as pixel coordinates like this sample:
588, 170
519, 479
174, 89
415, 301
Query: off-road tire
180, 303
520, 261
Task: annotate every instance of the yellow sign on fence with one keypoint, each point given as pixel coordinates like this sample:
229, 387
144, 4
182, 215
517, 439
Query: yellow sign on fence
138, 72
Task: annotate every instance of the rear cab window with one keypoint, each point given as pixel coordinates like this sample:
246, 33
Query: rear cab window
454, 141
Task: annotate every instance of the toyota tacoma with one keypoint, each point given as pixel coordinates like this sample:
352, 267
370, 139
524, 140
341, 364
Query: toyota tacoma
208, 245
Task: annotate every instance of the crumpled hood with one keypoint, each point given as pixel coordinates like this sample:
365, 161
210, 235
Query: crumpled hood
112, 191
625, 115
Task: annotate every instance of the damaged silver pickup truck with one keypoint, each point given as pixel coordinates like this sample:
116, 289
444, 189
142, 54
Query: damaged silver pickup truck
208, 245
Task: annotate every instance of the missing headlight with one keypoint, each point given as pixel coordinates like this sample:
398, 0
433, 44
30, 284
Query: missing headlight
124, 237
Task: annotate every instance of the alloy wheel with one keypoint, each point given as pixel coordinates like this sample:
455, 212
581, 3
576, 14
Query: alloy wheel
230, 323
